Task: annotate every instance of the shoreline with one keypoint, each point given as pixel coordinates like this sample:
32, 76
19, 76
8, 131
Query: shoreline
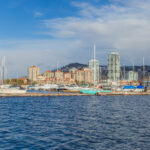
73, 94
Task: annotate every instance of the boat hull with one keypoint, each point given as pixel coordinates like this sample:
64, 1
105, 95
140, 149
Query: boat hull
94, 92
12, 91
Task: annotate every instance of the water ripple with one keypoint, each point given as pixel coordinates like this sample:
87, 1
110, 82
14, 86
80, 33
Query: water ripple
121, 122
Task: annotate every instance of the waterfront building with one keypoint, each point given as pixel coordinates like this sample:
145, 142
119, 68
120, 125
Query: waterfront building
59, 74
33, 73
84, 76
132, 76
67, 79
94, 64
73, 73
114, 66
48, 74
80, 76
67, 75
41, 79
59, 77
88, 76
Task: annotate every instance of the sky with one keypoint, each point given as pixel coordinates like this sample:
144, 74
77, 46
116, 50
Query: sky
50, 32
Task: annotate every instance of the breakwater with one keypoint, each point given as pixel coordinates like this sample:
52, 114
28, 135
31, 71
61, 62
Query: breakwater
72, 94
123, 93
42, 94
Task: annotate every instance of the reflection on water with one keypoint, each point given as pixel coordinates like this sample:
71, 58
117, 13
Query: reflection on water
95, 122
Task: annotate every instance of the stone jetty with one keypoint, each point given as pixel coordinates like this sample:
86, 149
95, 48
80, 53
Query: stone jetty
42, 94
73, 94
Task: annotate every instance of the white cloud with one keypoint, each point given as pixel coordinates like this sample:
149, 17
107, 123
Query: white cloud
43, 53
119, 26
38, 14
123, 27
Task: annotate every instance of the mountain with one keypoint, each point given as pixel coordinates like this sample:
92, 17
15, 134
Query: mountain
104, 71
71, 65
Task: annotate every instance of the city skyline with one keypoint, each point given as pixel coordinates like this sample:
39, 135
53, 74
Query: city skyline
43, 33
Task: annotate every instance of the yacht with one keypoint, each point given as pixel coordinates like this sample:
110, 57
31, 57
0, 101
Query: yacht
12, 90
48, 87
8, 89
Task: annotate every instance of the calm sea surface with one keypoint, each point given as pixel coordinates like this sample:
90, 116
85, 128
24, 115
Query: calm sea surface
96, 123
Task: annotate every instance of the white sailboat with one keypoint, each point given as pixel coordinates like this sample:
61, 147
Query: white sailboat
8, 89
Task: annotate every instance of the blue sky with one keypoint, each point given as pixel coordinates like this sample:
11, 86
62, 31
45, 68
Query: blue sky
22, 18
43, 32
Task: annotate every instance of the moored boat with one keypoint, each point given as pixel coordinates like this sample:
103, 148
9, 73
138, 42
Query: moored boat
8, 89
12, 90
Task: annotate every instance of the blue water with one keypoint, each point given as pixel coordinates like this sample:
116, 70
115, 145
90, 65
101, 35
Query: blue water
96, 122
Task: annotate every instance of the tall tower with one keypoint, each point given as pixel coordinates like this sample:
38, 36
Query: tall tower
94, 67
114, 66
33, 72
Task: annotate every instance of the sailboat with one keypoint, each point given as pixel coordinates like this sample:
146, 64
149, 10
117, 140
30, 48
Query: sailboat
8, 89
93, 90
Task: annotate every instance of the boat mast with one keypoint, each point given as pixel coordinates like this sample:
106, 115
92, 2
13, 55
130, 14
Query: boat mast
57, 72
94, 65
133, 71
124, 72
143, 71
3, 70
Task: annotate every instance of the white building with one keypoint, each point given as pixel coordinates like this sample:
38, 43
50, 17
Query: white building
33, 73
132, 76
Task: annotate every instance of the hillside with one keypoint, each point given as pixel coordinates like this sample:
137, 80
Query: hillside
104, 71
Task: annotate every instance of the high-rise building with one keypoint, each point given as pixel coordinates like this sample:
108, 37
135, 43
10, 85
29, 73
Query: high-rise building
114, 66
93, 65
33, 73
132, 76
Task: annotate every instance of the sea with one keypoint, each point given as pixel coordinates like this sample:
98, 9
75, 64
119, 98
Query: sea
75, 123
